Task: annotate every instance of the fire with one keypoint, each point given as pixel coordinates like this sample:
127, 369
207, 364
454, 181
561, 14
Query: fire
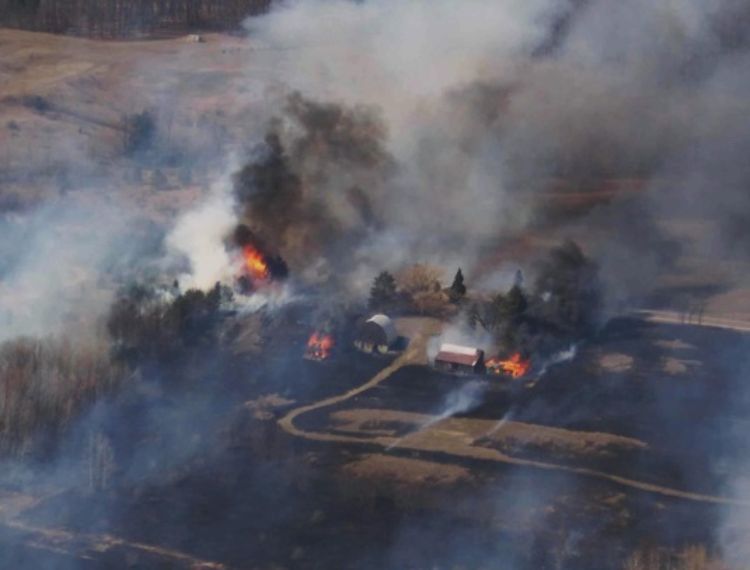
319, 346
255, 263
515, 366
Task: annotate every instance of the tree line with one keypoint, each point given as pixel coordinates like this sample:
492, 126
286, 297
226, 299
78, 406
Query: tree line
125, 18
562, 305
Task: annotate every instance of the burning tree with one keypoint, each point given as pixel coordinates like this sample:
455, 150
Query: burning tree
258, 266
296, 176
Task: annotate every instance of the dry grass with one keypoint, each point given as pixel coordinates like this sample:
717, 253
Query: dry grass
690, 558
466, 433
406, 470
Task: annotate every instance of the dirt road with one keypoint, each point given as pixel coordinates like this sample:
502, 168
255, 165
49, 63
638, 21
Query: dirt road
415, 354
703, 320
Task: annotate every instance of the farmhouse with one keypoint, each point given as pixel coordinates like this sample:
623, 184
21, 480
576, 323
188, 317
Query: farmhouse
460, 359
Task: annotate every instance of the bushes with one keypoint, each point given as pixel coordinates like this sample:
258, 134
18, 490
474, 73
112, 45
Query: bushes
46, 383
139, 133
36, 102
422, 291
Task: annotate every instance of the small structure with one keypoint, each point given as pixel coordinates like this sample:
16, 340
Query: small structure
460, 359
319, 346
195, 38
376, 334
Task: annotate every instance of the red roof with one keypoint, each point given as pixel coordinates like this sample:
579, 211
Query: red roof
455, 358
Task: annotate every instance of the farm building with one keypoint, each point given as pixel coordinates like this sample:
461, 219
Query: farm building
378, 333
462, 359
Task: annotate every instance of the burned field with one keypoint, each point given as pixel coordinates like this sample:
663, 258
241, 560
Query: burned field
415, 478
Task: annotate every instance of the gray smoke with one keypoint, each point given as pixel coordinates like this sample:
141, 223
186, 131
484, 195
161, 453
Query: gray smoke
484, 110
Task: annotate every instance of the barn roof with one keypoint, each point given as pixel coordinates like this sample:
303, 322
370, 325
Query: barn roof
457, 354
458, 349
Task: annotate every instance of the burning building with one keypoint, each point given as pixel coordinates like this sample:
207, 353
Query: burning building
319, 346
515, 366
378, 333
459, 359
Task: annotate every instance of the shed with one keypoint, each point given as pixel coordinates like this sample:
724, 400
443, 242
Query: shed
457, 358
378, 333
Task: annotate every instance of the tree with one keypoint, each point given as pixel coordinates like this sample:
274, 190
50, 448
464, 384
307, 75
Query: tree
419, 278
458, 289
421, 288
568, 286
509, 308
383, 293
473, 317
139, 133
432, 303
515, 305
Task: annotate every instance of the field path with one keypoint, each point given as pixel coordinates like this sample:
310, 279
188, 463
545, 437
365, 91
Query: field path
415, 354
703, 320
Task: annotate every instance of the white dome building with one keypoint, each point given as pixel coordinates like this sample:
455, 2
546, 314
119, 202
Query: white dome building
376, 334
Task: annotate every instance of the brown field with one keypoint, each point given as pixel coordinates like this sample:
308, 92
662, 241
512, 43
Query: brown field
62, 100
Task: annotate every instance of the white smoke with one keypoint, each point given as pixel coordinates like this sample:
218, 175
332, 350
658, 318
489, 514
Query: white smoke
408, 60
459, 401
459, 333
199, 236
58, 264
559, 357
399, 55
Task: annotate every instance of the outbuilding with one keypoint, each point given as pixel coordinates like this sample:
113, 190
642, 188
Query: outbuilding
459, 359
376, 334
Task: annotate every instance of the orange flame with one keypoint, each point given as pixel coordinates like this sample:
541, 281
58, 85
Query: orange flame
515, 366
319, 346
255, 263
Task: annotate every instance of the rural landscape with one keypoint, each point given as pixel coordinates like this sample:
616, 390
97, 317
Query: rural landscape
374, 285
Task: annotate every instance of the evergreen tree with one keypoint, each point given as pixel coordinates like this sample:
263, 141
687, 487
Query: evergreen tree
507, 312
473, 318
458, 289
139, 133
383, 292
568, 285
515, 304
